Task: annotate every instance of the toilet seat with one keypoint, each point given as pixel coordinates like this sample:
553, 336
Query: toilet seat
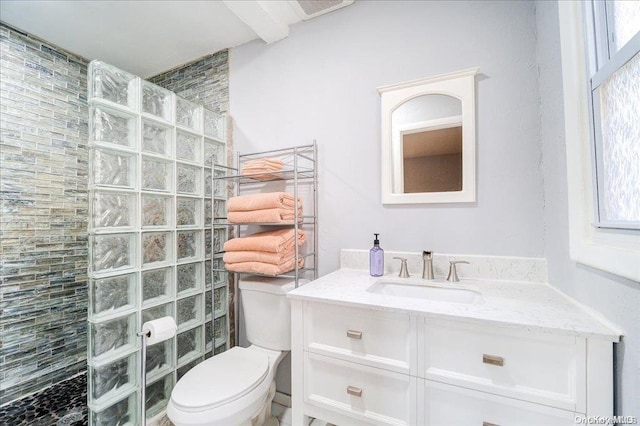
220, 380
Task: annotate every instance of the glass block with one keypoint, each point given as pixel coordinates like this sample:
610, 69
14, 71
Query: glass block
110, 338
207, 274
156, 285
113, 127
156, 312
189, 311
188, 146
189, 277
220, 301
208, 211
208, 305
208, 336
112, 84
219, 238
156, 101
113, 168
219, 349
188, 114
219, 185
218, 272
113, 379
111, 295
113, 251
213, 124
189, 244
626, 21
157, 395
189, 344
156, 139
113, 210
219, 209
188, 211
156, 174
208, 242
219, 331
214, 153
121, 413
208, 182
619, 111
188, 179
183, 370
159, 358
156, 247
156, 210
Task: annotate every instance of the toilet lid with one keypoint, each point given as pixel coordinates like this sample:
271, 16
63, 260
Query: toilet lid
220, 379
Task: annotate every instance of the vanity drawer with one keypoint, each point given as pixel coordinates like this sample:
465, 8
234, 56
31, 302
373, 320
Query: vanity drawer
378, 339
365, 394
533, 366
453, 406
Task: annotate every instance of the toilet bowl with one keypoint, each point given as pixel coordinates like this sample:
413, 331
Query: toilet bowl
236, 387
233, 388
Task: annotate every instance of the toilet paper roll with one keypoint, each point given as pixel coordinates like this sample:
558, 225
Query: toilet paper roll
159, 330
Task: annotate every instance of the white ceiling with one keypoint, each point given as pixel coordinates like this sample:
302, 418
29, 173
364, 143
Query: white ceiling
149, 37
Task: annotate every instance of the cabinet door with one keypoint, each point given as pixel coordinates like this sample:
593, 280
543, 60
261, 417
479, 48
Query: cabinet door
532, 366
378, 339
365, 394
447, 405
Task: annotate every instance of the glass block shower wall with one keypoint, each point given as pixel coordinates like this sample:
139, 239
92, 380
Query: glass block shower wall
151, 240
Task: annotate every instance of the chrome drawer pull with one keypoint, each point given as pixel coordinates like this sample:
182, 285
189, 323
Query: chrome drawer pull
352, 334
489, 424
352, 390
493, 360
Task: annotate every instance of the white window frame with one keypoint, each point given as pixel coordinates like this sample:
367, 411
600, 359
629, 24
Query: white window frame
613, 250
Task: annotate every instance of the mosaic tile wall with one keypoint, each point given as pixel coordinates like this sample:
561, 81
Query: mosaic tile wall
206, 82
43, 215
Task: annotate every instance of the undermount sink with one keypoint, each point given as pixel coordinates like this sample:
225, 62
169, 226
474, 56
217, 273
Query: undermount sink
424, 291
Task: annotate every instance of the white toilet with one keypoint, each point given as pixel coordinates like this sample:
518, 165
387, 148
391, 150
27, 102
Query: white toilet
236, 387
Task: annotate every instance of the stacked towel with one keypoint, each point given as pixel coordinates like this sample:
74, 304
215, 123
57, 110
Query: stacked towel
260, 168
268, 253
273, 207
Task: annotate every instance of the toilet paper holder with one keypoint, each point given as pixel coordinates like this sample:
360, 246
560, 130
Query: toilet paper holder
157, 331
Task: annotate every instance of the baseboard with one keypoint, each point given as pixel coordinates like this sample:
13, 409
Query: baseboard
282, 399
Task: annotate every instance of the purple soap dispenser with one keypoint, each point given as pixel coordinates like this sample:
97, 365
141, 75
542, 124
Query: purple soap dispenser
376, 259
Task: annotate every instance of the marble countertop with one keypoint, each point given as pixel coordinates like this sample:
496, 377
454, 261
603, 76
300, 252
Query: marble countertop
532, 306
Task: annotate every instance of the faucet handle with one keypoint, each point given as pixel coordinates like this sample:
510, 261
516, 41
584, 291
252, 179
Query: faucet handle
453, 274
404, 272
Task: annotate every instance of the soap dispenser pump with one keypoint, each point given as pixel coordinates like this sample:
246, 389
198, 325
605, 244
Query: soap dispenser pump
376, 259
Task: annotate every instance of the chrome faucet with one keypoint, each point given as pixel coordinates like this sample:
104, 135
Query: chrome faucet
427, 265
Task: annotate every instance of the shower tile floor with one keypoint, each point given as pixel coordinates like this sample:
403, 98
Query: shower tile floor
63, 404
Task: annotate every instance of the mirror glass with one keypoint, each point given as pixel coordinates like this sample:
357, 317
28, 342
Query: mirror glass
428, 140
427, 144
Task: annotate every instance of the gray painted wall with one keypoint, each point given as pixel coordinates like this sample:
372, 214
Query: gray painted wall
616, 298
320, 83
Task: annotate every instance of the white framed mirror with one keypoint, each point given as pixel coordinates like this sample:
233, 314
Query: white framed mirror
428, 140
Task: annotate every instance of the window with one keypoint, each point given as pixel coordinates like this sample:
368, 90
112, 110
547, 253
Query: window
599, 46
612, 31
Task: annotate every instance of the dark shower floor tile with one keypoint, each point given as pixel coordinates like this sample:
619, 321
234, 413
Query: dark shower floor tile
62, 404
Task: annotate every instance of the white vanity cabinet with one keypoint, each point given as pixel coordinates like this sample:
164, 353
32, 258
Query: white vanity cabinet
365, 366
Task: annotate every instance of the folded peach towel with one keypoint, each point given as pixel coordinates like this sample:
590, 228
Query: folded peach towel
268, 200
259, 168
258, 256
264, 268
265, 216
276, 241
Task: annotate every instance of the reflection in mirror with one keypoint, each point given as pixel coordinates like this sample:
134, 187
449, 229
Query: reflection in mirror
428, 139
427, 144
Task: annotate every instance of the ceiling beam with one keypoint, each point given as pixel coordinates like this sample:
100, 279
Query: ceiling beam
258, 16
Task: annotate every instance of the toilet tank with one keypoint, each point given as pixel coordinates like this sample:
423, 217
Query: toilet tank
267, 312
